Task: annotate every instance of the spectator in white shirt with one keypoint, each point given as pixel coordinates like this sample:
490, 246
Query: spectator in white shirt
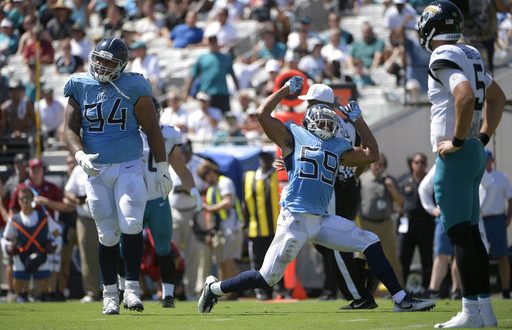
401, 14
174, 114
51, 113
334, 48
81, 46
144, 63
223, 30
204, 121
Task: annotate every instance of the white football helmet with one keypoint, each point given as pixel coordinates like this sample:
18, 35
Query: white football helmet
321, 120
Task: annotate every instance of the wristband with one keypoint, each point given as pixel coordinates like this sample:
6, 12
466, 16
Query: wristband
456, 142
484, 138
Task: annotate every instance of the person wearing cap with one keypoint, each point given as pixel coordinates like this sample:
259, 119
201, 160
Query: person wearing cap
81, 45
188, 33
8, 38
48, 198
51, 113
496, 207
401, 15
17, 113
203, 122
61, 24
68, 63
211, 69
146, 64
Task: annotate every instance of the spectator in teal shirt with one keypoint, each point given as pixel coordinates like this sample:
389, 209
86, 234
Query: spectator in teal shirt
269, 48
368, 51
8, 38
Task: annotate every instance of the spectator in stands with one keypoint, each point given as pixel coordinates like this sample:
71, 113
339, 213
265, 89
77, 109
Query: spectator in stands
148, 27
268, 47
419, 5
188, 33
129, 32
204, 121
4, 87
379, 193
211, 69
313, 64
28, 25
48, 198
176, 12
400, 15
68, 63
17, 116
80, 13
87, 235
30, 85
303, 26
345, 37
235, 8
60, 25
46, 50
144, 63
416, 227
51, 114
496, 207
8, 38
113, 22
229, 131
395, 55
272, 68
20, 175
369, 50
245, 70
223, 30
81, 45
16, 12
334, 49
175, 114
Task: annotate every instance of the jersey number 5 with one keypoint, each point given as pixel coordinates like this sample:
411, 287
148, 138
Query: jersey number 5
324, 171
94, 116
479, 86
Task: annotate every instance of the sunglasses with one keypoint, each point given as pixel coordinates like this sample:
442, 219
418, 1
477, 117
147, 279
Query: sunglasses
25, 199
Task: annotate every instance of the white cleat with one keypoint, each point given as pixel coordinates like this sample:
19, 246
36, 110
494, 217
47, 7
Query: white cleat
208, 299
110, 304
132, 300
462, 320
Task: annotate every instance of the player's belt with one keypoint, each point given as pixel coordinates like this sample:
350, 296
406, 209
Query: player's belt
181, 190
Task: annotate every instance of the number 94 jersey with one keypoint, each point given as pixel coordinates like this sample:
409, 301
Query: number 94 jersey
109, 125
467, 61
172, 138
312, 169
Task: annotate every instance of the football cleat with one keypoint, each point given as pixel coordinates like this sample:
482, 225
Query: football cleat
410, 304
110, 304
208, 299
462, 320
168, 302
132, 301
362, 303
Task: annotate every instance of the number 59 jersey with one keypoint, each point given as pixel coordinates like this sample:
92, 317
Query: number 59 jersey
172, 138
468, 61
109, 125
312, 169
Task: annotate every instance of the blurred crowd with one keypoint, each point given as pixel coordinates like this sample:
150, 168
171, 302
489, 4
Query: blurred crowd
209, 76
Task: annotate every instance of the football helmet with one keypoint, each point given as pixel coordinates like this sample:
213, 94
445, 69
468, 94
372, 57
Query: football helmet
108, 59
321, 120
441, 20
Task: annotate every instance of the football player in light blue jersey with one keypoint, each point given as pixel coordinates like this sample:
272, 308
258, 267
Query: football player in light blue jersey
312, 156
157, 215
106, 107
466, 108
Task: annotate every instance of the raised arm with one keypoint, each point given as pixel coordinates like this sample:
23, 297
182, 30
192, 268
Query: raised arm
274, 128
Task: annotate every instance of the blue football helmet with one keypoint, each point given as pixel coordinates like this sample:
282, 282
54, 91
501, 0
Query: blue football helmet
440, 20
321, 120
108, 59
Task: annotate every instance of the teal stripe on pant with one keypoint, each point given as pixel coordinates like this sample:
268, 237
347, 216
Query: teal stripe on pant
157, 216
456, 182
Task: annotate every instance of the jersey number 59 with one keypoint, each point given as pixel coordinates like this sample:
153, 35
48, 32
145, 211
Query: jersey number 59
325, 170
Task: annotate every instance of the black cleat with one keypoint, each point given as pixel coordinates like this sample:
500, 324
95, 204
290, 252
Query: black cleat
168, 302
362, 303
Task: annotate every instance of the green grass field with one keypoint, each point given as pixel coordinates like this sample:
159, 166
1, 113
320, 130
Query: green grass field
244, 314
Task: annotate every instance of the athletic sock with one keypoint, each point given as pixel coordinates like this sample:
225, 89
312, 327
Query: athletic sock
109, 257
215, 287
132, 246
470, 306
484, 287
167, 290
121, 283
167, 268
109, 290
247, 280
381, 268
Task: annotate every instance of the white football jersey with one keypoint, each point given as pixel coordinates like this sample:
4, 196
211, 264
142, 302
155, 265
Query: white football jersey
172, 138
468, 61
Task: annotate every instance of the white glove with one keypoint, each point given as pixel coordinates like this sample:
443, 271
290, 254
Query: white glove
84, 160
163, 182
197, 198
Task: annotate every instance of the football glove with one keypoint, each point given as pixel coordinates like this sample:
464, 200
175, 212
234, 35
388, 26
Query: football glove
163, 182
197, 198
295, 84
353, 111
85, 162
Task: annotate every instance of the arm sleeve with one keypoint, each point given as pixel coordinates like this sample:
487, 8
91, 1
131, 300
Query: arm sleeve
450, 77
426, 191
